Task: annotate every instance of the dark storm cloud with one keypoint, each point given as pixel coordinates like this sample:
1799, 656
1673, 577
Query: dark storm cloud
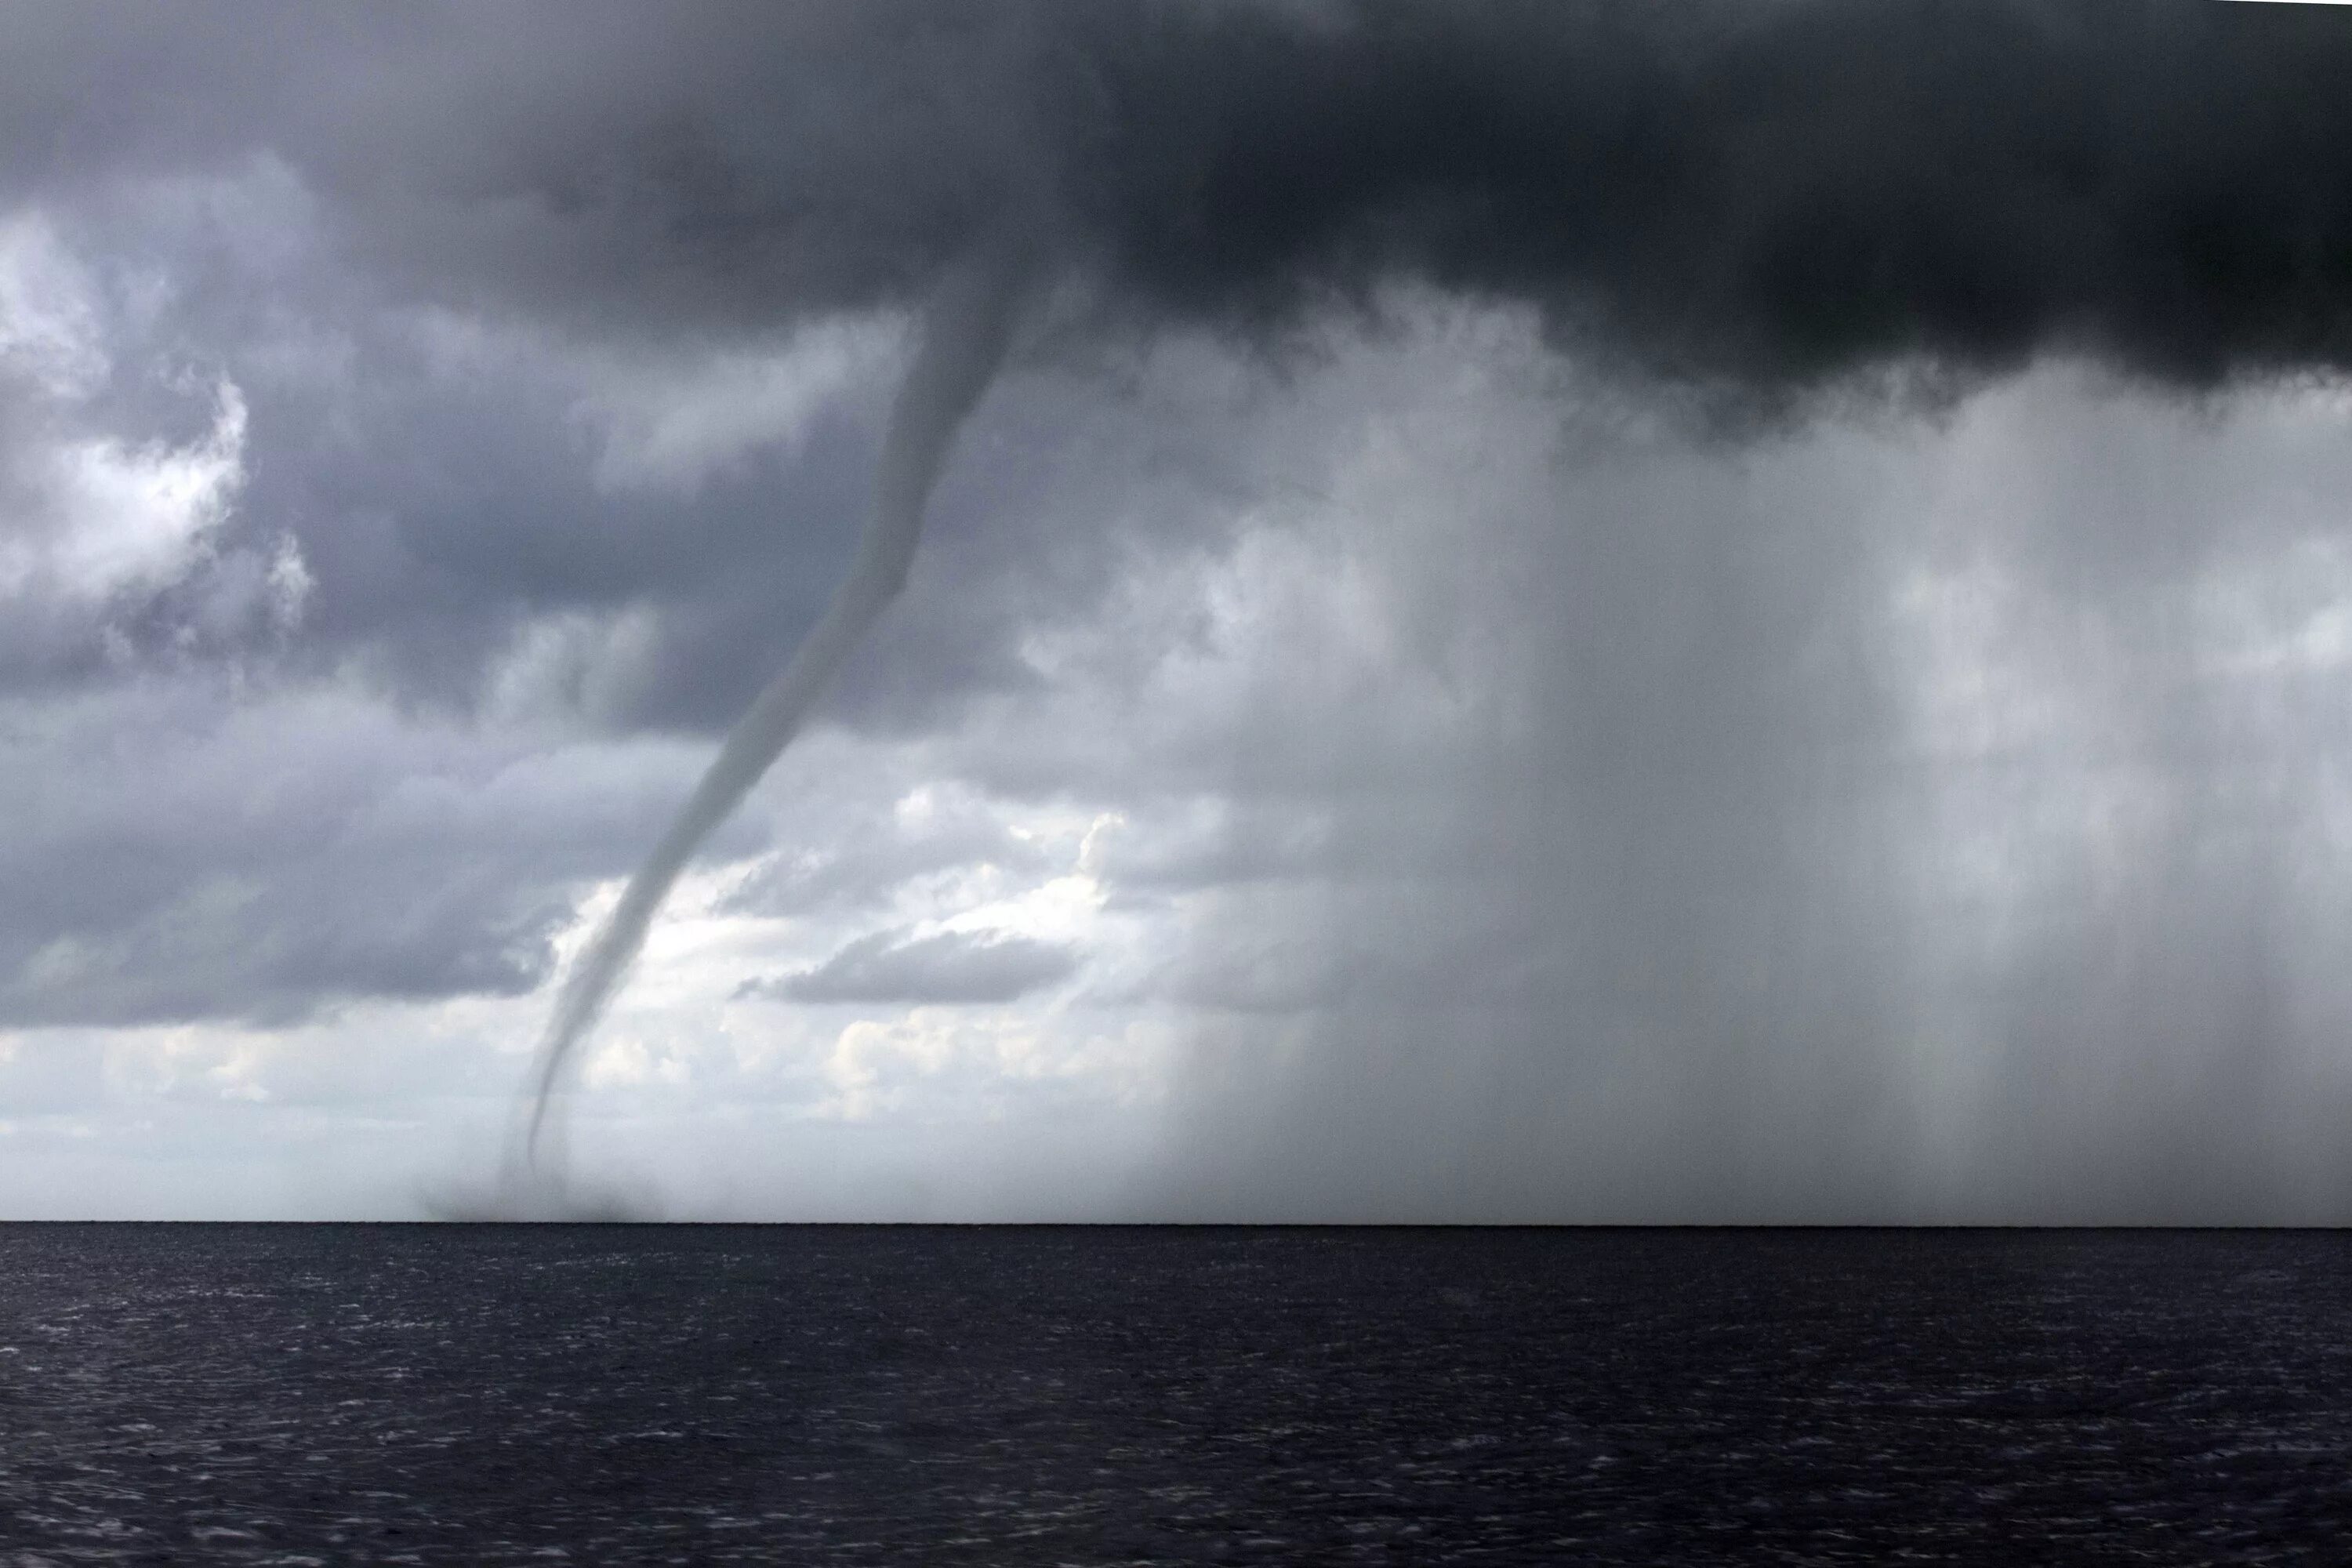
1740, 205
1768, 194
1747, 197
953, 967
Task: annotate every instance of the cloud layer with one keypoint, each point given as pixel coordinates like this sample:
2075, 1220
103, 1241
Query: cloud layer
947, 967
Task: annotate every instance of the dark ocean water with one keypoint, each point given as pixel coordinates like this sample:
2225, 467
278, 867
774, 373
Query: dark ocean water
463, 1394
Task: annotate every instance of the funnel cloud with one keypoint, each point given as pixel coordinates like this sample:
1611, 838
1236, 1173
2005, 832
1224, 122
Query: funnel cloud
963, 340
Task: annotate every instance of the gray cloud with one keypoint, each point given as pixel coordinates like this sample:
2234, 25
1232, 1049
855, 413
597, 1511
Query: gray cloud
838, 862
192, 851
951, 967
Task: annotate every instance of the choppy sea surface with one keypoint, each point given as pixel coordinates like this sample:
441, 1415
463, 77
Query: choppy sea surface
701, 1394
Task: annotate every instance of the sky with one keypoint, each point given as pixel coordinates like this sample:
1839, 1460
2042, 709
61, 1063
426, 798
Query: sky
1737, 612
